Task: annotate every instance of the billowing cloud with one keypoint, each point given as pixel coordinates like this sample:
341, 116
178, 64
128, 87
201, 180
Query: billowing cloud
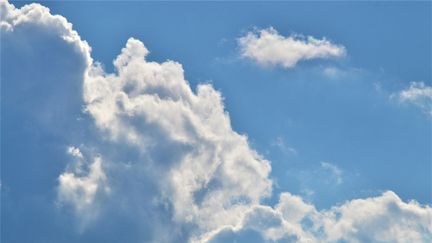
166, 159
36, 15
206, 171
385, 218
418, 94
268, 47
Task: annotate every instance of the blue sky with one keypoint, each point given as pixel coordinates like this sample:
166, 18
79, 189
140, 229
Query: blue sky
352, 122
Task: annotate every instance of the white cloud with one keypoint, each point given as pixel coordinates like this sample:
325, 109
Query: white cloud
170, 161
418, 94
210, 174
268, 47
79, 188
76, 152
38, 16
385, 218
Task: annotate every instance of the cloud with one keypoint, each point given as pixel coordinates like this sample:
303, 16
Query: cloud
164, 158
280, 143
418, 94
268, 47
79, 186
331, 72
385, 218
334, 170
322, 180
76, 152
210, 174
36, 15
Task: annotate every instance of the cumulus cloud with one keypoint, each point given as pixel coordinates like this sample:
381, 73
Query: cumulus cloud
418, 94
81, 183
167, 159
385, 218
208, 172
28, 35
268, 47
36, 15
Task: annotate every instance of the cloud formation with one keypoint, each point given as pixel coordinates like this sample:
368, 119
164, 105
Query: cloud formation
418, 94
36, 15
385, 218
167, 159
206, 171
268, 47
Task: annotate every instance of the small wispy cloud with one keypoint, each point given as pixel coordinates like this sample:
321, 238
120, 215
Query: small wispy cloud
332, 72
316, 181
74, 151
268, 47
335, 171
418, 94
282, 145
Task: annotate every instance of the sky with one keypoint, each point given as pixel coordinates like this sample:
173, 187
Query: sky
216, 121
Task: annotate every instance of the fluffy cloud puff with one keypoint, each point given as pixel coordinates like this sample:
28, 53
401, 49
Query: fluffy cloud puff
268, 47
167, 159
81, 183
418, 94
385, 218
